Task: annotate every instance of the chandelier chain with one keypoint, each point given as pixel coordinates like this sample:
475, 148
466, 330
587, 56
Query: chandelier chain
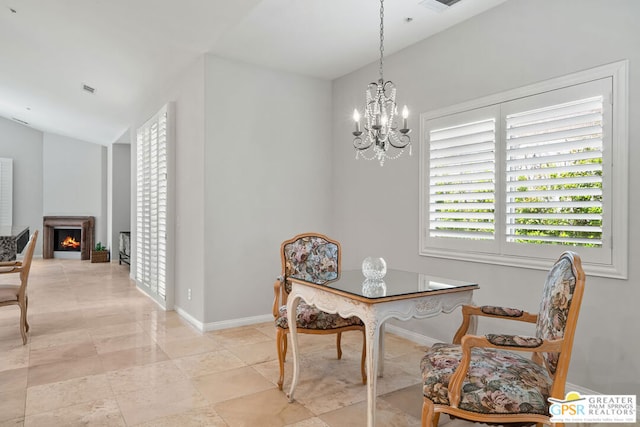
381, 37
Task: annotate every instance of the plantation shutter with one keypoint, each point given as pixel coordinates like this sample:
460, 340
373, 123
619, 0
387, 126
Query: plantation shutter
559, 180
554, 174
462, 180
151, 209
6, 191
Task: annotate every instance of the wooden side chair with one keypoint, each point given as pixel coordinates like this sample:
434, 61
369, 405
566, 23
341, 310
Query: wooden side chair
17, 294
315, 258
485, 378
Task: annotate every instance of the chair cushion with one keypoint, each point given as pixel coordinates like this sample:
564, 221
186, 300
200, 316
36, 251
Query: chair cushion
309, 317
498, 381
9, 293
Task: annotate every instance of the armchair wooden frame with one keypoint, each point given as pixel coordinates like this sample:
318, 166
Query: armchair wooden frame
281, 289
17, 294
431, 411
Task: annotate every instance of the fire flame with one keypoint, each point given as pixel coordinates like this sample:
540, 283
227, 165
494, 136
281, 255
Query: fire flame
70, 242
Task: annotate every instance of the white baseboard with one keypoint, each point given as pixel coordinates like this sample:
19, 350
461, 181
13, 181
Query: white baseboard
234, 323
189, 318
226, 324
411, 335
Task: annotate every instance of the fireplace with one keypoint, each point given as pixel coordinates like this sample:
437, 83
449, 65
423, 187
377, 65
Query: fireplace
67, 239
57, 228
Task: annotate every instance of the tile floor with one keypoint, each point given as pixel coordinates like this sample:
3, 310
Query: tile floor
100, 353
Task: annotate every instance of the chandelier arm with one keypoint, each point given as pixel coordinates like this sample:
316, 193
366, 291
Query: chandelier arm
403, 144
360, 144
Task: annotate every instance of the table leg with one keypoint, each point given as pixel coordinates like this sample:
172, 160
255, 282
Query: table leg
381, 351
292, 310
373, 343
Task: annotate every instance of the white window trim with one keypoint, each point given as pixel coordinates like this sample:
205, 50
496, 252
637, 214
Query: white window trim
618, 268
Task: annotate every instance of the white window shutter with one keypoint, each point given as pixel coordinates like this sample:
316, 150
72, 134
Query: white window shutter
554, 174
152, 204
462, 181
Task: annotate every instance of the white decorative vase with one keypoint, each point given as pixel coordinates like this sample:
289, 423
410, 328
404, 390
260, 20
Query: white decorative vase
374, 268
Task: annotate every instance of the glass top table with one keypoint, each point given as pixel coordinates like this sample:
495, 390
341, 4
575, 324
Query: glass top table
396, 284
400, 295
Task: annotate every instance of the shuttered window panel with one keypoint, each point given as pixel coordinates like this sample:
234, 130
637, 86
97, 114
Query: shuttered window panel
462, 181
554, 174
151, 205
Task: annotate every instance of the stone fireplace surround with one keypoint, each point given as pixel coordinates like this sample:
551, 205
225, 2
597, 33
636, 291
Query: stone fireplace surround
85, 223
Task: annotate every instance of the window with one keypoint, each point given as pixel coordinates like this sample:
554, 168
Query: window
152, 206
519, 177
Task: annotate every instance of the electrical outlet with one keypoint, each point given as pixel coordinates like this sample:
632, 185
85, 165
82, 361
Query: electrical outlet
189, 294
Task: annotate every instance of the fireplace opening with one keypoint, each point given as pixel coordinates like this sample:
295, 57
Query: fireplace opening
67, 239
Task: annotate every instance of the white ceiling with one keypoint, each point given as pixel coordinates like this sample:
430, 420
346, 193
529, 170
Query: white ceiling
127, 49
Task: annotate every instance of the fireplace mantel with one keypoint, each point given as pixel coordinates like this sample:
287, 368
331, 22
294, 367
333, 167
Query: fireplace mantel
84, 222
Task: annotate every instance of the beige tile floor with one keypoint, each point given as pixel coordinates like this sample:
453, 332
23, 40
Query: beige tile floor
102, 354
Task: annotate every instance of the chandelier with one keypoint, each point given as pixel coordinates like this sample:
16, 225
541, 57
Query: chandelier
382, 139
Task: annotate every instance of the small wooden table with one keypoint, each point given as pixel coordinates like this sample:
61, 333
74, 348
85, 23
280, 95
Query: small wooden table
401, 295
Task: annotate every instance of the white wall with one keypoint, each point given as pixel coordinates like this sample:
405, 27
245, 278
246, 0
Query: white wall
75, 174
189, 191
268, 177
518, 43
119, 194
186, 93
24, 146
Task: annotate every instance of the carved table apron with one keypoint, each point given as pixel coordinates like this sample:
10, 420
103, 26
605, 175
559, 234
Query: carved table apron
373, 314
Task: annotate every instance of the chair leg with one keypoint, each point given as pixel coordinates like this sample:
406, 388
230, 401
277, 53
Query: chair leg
363, 367
339, 344
285, 344
281, 343
23, 323
26, 322
428, 418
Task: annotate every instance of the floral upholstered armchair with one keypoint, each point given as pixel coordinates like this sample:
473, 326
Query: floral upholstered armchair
313, 258
486, 379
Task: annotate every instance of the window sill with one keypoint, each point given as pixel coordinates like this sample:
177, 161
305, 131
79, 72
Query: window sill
612, 271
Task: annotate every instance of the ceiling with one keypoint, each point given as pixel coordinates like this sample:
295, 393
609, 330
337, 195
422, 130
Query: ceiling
127, 49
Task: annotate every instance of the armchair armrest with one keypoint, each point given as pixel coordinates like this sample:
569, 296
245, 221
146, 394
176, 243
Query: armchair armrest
277, 290
505, 342
490, 311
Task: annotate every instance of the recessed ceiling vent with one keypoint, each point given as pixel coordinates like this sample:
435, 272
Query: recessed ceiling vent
88, 88
438, 5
